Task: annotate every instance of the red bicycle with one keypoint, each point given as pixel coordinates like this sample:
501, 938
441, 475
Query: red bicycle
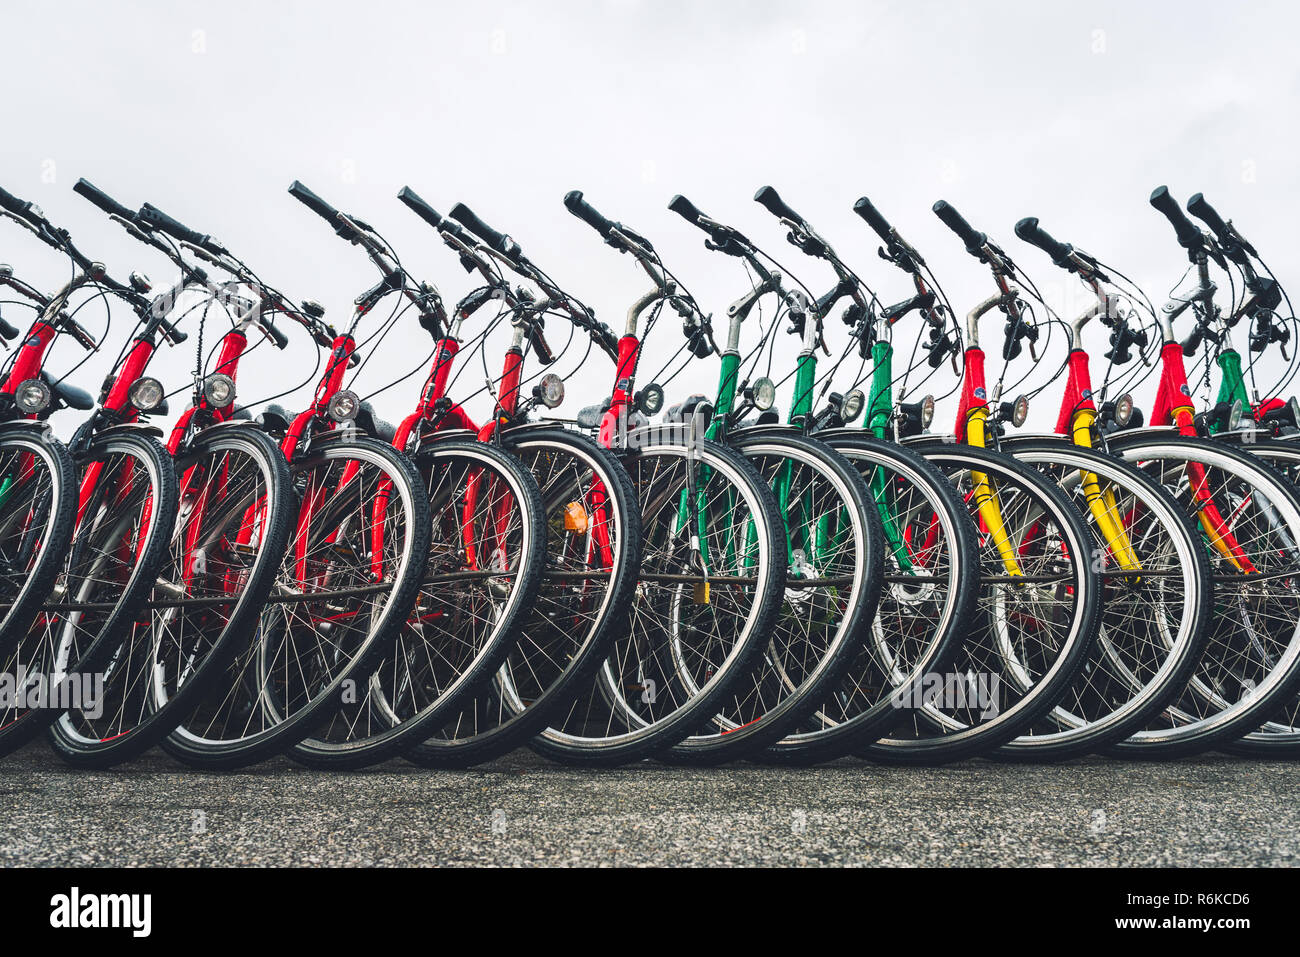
485, 559
126, 500
230, 529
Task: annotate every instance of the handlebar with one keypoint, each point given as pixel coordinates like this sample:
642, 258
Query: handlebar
78, 333
1207, 214
974, 240
771, 200
431, 216
154, 218
1189, 237
322, 209
1029, 230
864, 208
418, 206
498, 241
101, 199
684, 208
15, 205
575, 204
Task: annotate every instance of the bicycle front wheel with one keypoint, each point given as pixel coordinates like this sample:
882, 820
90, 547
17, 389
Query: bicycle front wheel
593, 553
342, 590
1036, 619
38, 508
230, 532
1250, 523
836, 562
1157, 602
478, 578
128, 504
928, 600
712, 579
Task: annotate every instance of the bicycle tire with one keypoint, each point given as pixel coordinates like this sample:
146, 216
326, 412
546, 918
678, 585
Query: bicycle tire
603, 728
1136, 667
108, 571
291, 677
820, 630
26, 579
1043, 659
188, 642
549, 665
903, 646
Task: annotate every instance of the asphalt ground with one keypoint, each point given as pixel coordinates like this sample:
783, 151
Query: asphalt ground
523, 810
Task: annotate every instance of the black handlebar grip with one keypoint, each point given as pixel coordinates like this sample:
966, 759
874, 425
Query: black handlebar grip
771, 200
684, 208
321, 208
7, 330
575, 204
872, 215
314, 202
479, 228
541, 348
79, 333
1207, 214
154, 217
273, 331
420, 207
101, 199
1189, 237
975, 241
1029, 230
12, 203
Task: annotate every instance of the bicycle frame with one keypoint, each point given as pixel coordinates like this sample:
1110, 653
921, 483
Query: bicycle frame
1173, 407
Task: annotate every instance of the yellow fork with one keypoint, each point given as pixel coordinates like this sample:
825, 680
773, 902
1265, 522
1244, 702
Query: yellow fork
985, 498
1101, 501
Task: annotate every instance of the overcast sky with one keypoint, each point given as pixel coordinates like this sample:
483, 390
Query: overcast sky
1071, 112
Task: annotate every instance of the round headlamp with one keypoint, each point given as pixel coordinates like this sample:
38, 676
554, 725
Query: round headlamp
927, 411
344, 406
1234, 415
1123, 410
32, 396
549, 390
146, 394
650, 399
852, 405
763, 393
219, 390
1020, 411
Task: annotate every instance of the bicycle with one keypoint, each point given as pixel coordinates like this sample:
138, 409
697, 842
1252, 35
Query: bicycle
593, 522
349, 571
713, 568
1249, 522
231, 529
1040, 597
834, 536
126, 496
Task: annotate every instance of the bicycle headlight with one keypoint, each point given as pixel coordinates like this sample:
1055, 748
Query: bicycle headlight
1235, 413
927, 411
1123, 410
344, 406
219, 390
32, 396
650, 399
549, 390
146, 394
852, 405
762, 393
1020, 411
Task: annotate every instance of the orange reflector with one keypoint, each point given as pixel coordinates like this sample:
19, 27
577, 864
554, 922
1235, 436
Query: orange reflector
575, 518
701, 593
